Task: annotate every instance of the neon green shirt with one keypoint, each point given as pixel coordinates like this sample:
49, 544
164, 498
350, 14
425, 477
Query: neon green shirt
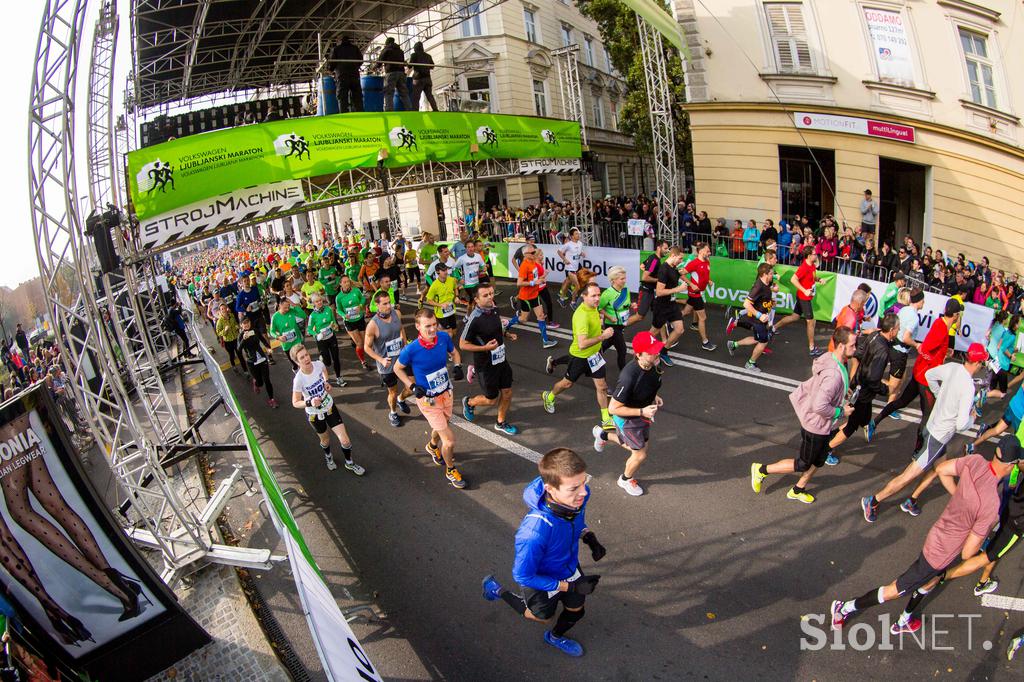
586, 321
311, 288
373, 300
614, 306
442, 294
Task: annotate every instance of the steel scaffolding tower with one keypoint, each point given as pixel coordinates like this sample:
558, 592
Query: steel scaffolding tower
572, 107
662, 129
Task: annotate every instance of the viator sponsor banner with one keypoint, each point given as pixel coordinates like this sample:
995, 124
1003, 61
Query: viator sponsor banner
974, 323
598, 259
248, 203
182, 172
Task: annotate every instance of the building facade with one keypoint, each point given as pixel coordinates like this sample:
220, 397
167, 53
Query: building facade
797, 107
498, 59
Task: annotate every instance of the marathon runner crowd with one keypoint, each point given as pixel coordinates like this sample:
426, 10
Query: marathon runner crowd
262, 295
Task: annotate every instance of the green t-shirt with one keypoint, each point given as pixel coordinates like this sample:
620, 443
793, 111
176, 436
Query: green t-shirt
585, 321
614, 306
892, 291
427, 252
318, 321
329, 278
350, 305
373, 300
286, 327
352, 270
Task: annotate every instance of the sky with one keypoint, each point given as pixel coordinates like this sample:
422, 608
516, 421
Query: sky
19, 33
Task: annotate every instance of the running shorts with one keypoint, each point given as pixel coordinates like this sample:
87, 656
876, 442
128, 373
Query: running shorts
528, 305
1006, 537
897, 364
634, 432
643, 302
666, 313
1012, 420
579, 367
543, 605
355, 325
761, 332
450, 322
388, 380
330, 420
919, 573
803, 309
695, 302
438, 414
813, 450
931, 450
494, 378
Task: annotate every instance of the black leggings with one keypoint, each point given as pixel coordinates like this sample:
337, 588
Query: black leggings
913, 390
1000, 380
412, 274
232, 348
545, 301
328, 349
261, 376
619, 342
861, 414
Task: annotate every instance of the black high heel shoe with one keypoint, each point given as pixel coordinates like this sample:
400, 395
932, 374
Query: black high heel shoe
70, 630
136, 601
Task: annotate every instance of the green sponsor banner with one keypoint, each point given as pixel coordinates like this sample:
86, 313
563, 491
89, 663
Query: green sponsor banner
497, 255
731, 281
181, 172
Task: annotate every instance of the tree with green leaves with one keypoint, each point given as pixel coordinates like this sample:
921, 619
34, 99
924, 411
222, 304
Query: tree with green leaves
617, 24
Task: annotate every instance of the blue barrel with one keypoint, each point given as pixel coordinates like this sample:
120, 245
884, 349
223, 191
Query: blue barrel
397, 101
373, 93
327, 97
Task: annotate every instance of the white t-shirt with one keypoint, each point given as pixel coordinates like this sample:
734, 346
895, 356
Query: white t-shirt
312, 386
433, 266
908, 322
572, 251
471, 266
954, 400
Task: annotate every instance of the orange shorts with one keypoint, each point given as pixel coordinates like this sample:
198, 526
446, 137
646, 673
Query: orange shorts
440, 413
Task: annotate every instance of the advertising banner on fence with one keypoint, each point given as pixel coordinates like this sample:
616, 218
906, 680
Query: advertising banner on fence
181, 172
973, 325
594, 258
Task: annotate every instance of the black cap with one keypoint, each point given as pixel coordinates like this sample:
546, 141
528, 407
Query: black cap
1009, 449
916, 296
953, 307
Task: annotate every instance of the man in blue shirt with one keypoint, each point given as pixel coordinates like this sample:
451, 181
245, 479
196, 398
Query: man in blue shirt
547, 564
1010, 421
423, 367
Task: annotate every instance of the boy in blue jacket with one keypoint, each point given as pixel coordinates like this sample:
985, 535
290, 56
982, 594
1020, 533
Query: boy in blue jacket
547, 549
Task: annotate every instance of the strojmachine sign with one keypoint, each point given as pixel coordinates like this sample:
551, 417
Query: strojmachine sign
183, 172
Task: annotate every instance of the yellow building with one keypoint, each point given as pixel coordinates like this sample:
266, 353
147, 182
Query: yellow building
798, 107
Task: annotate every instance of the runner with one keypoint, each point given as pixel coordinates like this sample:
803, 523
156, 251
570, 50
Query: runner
311, 392
585, 354
286, 327
909, 303
427, 359
571, 254
412, 269
529, 279
329, 276
227, 332
351, 305
953, 411
1010, 421
804, 280
442, 295
256, 349
757, 307
473, 268
666, 310
384, 340
876, 351
634, 403
819, 402
321, 326
649, 279
310, 287
615, 309
484, 337
699, 271
443, 256
958, 533
547, 565
386, 285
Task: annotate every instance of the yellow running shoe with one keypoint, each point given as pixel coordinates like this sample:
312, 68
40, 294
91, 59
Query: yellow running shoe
804, 497
756, 477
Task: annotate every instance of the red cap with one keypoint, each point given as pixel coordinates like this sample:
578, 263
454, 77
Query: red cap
976, 353
645, 343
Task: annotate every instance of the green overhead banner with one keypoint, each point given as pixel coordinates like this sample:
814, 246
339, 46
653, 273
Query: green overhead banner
659, 17
181, 172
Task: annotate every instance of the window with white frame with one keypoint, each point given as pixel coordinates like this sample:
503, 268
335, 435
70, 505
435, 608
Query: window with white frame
588, 51
613, 110
789, 39
607, 60
598, 111
530, 21
979, 67
540, 98
566, 35
472, 25
478, 89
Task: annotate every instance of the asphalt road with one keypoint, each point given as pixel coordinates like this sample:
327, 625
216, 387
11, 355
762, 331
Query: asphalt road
703, 579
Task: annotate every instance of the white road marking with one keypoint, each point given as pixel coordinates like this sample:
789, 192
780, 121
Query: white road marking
998, 601
494, 438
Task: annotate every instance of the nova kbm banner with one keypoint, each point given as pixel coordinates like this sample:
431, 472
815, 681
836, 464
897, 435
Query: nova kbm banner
185, 171
598, 259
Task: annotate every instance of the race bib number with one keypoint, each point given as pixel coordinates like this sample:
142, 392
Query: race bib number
393, 347
353, 313
447, 309
498, 355
289, 336
438, 382
254, 306
260, 359
572, 578
325, 334
595, 362
472, 276
623, 316
993, 365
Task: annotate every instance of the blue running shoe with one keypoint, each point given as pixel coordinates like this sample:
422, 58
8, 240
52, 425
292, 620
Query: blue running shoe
1015, 645
869, 430
394, 419
870, 509
492, 588
505, 427
467, 409
909, 506
896, 415
831, 460
568, 646
403, 405
668, 363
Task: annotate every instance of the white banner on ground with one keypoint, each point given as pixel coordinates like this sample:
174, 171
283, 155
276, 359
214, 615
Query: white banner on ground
974, 324
594, 258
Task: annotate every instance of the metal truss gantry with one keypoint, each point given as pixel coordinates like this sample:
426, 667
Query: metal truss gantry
90, 319
572, 107
663, 146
